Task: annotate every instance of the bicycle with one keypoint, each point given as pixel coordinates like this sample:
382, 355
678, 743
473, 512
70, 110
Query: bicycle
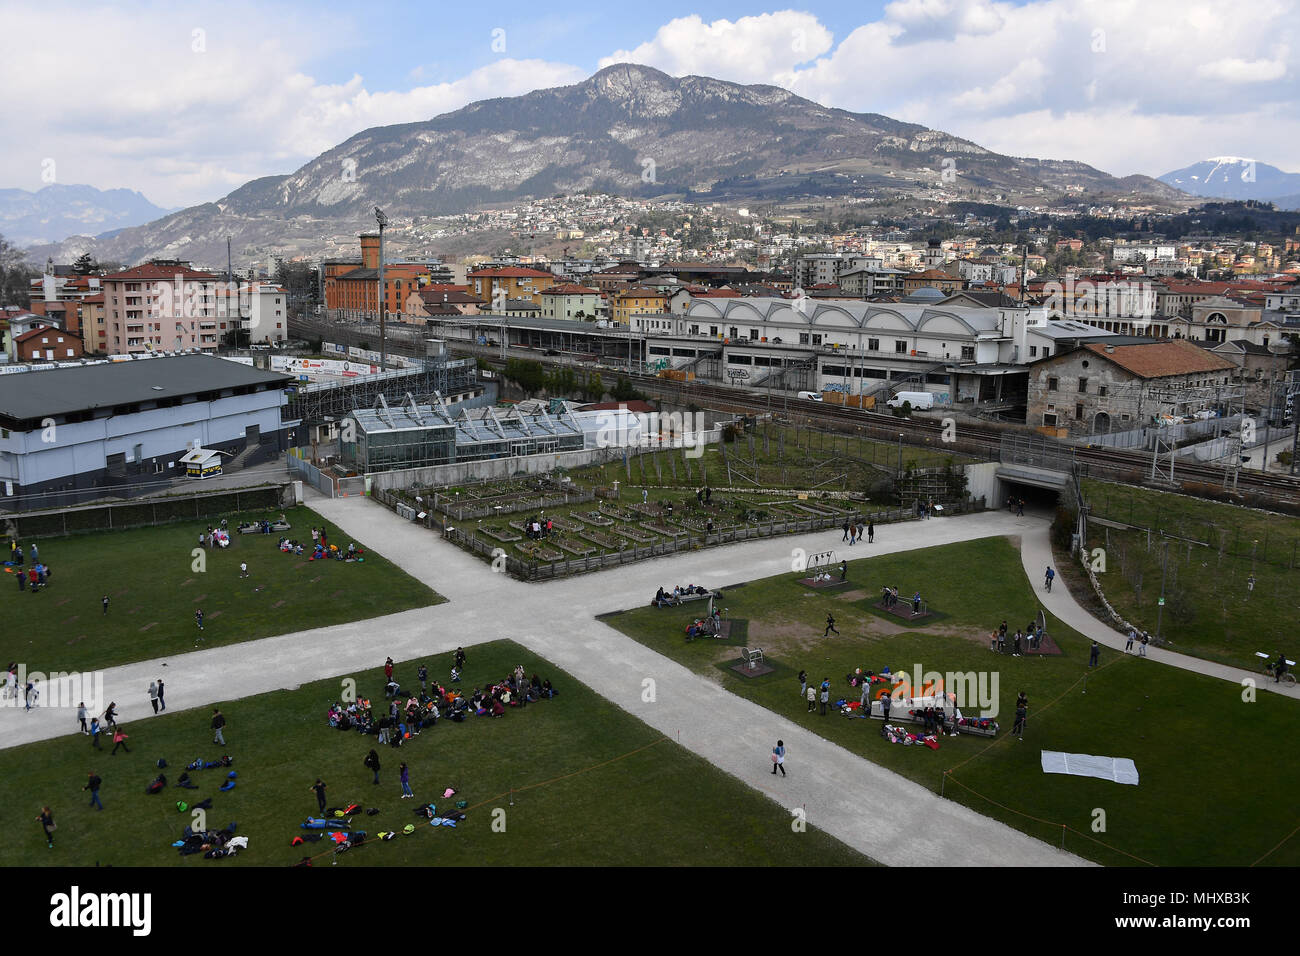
1270, 668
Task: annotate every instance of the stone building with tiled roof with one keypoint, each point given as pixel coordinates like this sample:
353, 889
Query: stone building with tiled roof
1100, 387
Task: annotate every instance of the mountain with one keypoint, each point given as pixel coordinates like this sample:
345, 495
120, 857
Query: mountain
629, 130
56, 212
1232, 177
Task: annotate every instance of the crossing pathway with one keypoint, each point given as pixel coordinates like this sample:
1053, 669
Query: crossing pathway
882, 814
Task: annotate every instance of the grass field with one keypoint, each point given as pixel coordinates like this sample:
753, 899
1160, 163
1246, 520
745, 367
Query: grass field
1216, 778
149, 575
1210, 610
591, 785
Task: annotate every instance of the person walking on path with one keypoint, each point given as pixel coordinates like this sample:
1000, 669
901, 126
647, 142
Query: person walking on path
1094, 655
1142, 648
778, 758
1050, 575
162, 703
110, 714
830, 626
319, 788
94, 733
119, 740
825, 694
1132, 636
372, 763
153, 695
81, 717
405, 774
46, 820
871, 531
105, 603
218, 725
812, 699
846, 530
92, 784
803, 683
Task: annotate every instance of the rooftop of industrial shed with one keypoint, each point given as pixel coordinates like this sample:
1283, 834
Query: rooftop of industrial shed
41, 393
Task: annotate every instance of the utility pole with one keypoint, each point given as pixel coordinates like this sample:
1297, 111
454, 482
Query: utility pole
900, 469
1160, 608
1295, 423
382, 220
1268, 421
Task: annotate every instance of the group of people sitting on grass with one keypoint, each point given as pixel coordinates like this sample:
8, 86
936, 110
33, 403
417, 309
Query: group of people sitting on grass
409, 713
216, 537
321, 552
1031, 638
665, 598
537, 528
705, 626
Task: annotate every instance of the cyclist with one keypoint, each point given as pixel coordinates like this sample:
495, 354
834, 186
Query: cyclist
1050, 575
1279, 669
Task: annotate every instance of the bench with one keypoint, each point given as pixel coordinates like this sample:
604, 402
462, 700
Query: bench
686, 598
751, 655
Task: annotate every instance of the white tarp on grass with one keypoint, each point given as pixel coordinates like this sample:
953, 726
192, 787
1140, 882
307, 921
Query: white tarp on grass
1114, 769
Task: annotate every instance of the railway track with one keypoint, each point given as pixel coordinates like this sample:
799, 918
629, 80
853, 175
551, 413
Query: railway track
971, 438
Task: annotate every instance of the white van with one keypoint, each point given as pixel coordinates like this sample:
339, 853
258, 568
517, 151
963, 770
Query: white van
919, 400
811, 396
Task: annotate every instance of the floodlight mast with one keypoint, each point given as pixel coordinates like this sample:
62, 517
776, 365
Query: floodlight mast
382, 220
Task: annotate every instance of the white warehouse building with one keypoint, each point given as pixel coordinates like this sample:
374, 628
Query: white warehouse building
74, 428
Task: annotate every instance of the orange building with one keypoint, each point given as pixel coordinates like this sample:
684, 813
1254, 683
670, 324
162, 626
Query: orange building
354, 285
516, 282
637, 300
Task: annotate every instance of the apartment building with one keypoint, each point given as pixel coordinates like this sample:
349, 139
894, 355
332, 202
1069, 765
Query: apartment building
162, 306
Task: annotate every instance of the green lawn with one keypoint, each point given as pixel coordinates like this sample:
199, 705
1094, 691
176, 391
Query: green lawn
592, 786
1209, 609
1216, 782
149, 575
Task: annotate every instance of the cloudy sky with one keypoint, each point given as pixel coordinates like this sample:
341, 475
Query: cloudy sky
187, 102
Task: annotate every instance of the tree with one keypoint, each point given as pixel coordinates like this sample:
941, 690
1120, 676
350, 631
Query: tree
527, 374
85, 265
15, 275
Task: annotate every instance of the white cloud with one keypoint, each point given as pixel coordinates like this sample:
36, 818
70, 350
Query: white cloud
1236, 70
141, 102
758, 49
1050, 78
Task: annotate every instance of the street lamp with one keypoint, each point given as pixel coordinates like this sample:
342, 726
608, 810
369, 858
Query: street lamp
382, 220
